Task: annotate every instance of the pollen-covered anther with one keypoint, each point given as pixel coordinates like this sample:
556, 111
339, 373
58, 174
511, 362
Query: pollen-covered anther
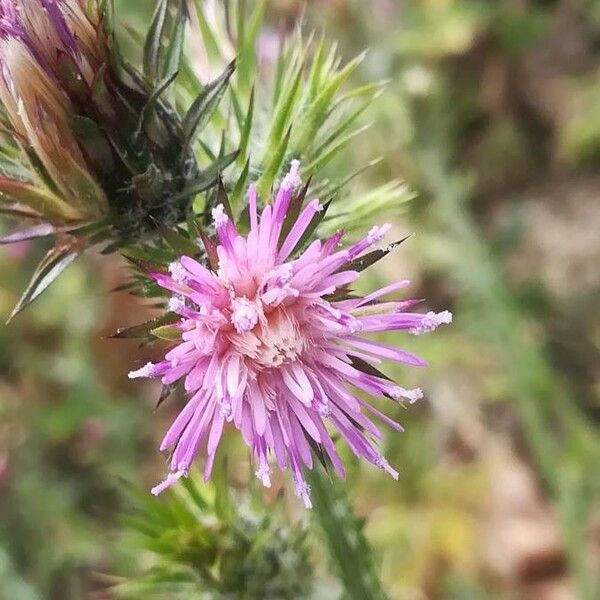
176, 304
244, 314
431, 321
324, 409
378, 232
398, 393
302, 490
178, 273
264, 474
225, 410
168, 482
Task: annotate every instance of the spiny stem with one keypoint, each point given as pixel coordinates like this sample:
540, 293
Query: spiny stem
342, 530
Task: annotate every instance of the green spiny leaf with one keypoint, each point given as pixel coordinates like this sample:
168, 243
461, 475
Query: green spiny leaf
338, 143
318, 109
363, 262
343, 533
51, 266
246, 129
152, 101
316, 70
247, 53
342, 126
153, 42
240, 184
95, 145
224, 507
175, 47
283, 111
362, 207
207, 179
41, 200
237, 107
144, 329
170, 333
273, 167
147, 253
192, 489
179, 242
332, 190
209, 37
204, 106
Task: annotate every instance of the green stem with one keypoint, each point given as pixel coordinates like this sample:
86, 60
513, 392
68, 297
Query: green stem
342, 531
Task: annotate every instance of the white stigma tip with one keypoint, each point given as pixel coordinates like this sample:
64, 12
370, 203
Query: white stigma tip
219, 216
383, 464
148, 370
292, 178
413, 395
168, 482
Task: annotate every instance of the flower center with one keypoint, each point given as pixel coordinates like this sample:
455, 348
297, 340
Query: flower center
282, 340
269, 340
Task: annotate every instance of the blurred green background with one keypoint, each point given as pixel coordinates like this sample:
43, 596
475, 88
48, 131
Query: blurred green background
492, 116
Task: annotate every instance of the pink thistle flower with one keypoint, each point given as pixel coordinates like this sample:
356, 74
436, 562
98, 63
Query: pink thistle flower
272, 342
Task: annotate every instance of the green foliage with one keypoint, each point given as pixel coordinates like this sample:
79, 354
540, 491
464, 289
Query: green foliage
206, 544
295, 107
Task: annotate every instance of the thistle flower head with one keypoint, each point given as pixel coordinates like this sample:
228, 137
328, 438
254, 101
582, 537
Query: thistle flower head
37, 38
272, 342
